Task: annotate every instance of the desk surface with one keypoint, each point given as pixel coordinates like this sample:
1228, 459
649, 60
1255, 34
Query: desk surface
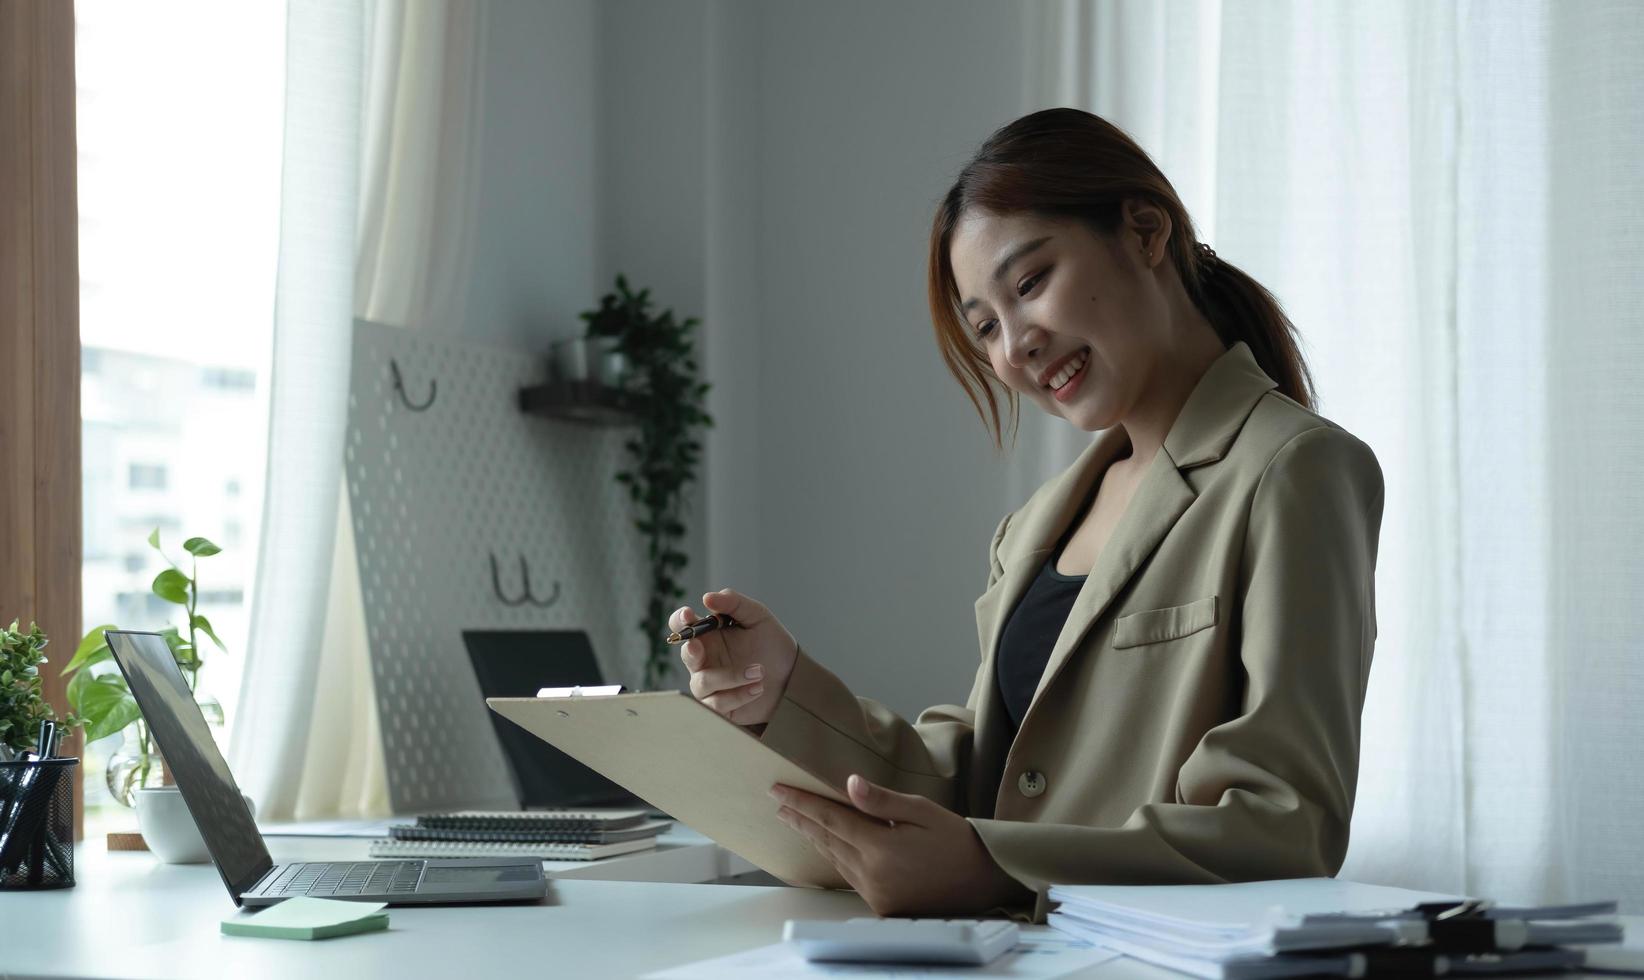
130, 916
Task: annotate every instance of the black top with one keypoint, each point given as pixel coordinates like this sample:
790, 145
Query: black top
1031, 631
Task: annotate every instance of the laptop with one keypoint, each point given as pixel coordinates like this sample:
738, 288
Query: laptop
231, 835
517, 664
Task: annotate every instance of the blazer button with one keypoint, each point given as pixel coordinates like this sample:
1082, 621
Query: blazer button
1031, 783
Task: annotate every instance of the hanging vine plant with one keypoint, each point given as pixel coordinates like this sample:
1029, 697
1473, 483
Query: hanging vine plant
662, 391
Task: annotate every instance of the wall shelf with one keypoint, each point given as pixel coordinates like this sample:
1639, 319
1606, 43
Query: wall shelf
586, 402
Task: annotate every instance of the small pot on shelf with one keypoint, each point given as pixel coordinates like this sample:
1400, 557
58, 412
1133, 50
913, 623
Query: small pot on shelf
587, 381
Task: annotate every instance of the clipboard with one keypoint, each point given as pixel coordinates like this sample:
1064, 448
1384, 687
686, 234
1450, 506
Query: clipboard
680, 756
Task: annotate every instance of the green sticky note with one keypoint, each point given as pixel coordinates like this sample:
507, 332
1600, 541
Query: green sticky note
310, 918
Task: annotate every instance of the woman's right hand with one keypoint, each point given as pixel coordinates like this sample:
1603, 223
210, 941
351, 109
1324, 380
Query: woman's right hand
739, 671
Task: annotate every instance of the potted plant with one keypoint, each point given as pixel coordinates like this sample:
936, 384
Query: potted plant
102, 702
22, 708
662, 393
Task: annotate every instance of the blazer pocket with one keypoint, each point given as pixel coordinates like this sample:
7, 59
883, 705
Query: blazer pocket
1159, 625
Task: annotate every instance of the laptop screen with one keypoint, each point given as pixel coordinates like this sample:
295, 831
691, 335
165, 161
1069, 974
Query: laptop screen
191, 754
516, 664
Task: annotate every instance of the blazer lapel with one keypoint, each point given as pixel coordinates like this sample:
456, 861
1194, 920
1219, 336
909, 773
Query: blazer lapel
1160, 499
1032, 537
1035, 531
1201, 434
1207, 424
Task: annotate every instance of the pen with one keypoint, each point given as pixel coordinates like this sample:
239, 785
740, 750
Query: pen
700, 627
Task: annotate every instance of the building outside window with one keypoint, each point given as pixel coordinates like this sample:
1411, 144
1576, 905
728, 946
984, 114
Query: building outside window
179, 163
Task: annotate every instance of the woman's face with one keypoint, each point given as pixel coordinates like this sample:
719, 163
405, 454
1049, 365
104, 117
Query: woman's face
1051, 302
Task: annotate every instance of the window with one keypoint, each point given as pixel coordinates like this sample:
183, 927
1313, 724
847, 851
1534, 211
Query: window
147, 476
229, 379
179, 128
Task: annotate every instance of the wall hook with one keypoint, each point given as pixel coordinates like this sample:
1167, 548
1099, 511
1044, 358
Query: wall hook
399, 386
525, 574
496, 583
525, 584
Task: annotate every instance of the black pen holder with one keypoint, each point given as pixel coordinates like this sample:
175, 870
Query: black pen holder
37, 824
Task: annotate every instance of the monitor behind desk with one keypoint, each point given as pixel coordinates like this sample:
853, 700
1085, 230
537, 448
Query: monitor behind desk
516, 664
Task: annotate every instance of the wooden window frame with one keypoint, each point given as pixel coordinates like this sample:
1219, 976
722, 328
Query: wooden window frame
40, 530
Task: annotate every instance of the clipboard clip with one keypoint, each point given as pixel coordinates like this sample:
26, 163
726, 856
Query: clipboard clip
578, 691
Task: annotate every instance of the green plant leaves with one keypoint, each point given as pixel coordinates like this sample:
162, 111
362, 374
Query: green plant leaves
665, 395
22, 707
102, 704
204, 625
181, 650
172, 586
201, 548
103, 701
93, 649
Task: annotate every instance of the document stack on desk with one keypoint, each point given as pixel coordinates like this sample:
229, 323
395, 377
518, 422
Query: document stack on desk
1260, 929
548, 835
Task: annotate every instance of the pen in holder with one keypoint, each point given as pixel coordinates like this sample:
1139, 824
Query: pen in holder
37, 823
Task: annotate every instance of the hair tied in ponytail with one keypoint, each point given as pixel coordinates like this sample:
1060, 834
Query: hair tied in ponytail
1207, 258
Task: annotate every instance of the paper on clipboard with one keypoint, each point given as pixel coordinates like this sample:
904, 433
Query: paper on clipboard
680, 756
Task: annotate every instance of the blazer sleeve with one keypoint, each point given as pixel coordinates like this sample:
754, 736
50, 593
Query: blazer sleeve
821, 725
1269, 793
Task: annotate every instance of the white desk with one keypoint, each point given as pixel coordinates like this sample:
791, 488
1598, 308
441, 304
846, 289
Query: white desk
130, 916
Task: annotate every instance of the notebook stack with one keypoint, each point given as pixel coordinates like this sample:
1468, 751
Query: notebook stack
1325, 926
548, 835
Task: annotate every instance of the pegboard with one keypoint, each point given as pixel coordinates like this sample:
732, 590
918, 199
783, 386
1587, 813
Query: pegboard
434, 495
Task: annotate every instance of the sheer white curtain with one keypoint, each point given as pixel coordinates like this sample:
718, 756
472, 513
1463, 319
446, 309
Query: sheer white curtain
381, 126
1447, 199
313, 309
419, 178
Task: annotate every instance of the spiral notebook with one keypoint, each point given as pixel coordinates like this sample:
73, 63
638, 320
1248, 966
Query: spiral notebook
560, 821
648, 829
542, 851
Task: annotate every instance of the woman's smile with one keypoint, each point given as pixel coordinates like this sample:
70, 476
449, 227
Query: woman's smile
1064, 384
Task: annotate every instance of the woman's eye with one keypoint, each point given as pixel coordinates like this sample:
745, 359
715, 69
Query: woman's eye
984, 328
1028, 284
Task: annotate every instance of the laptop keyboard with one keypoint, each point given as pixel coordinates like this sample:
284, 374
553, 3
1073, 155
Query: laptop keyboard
349, 878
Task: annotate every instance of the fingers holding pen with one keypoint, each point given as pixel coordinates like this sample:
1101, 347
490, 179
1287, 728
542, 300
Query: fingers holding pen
681, 618
727, 689
694, 654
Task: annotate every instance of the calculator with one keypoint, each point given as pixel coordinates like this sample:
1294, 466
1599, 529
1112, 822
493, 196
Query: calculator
865, 940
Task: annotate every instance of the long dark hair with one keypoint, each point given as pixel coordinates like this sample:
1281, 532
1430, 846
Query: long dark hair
1066, 163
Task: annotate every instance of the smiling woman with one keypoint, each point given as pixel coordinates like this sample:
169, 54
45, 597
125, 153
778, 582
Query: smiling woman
1064, 187
1176, 632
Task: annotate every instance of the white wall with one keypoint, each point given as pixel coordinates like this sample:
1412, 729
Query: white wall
881, 488
773, 167
537, 217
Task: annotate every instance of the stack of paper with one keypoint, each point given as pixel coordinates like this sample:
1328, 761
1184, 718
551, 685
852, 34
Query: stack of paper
1260, 929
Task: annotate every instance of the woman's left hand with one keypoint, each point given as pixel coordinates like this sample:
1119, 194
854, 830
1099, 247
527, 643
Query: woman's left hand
904, 854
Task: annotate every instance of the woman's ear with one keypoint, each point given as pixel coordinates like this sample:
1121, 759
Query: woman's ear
1146, 225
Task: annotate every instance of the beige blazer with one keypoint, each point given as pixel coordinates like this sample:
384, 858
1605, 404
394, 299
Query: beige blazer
1198, 720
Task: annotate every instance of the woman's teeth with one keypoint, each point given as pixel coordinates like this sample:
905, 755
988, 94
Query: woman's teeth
1066, 374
